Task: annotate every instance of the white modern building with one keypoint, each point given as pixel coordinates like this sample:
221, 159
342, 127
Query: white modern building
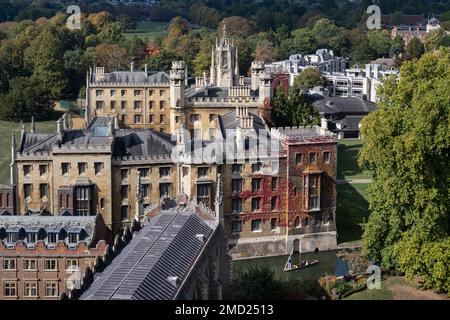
323, 59
358, 82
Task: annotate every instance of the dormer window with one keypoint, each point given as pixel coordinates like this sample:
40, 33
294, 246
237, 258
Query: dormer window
74, 237
32, 237
52, 237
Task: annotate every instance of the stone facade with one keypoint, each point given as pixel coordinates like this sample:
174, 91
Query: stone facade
124, 170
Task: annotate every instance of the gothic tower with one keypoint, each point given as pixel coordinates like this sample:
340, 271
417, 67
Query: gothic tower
224, 62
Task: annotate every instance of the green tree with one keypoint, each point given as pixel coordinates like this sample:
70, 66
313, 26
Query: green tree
112, 33
406, 147
414, 48
309, 78
256, 283
396, 46
380, 42
293, 109
361, 51
45, 57
433, 39
27, 97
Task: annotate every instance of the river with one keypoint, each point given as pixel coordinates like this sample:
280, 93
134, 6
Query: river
329, 263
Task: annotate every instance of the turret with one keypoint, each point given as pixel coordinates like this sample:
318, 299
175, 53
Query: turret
13, 160
257, 68
265, 87
177, 84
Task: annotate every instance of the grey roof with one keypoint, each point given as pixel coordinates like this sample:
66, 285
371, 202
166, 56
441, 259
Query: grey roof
344, 105
229, 121
133, 77
33, 223
137, 142
213, 92
36, 142
126, 141
165, 247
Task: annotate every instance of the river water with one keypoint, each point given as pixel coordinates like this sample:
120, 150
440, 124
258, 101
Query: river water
329, 263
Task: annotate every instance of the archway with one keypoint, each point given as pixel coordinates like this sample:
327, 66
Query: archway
296, 245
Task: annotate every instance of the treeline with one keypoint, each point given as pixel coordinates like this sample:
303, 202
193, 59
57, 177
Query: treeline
42, 61
51, 60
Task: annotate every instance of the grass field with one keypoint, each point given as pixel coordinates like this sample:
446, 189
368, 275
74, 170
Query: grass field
352, 209
147, 30
347, 160
6, 130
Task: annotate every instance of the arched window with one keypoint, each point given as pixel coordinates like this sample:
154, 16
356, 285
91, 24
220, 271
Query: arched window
297, 222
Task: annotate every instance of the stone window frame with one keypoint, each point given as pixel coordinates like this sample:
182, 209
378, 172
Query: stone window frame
233, 228
12, 285
9, 264
54, 286
260, 229
36, 288
50, 262
27, 267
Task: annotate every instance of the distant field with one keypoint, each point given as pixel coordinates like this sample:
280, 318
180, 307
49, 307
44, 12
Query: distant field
352, 209
147, 30
6, 130
348, 160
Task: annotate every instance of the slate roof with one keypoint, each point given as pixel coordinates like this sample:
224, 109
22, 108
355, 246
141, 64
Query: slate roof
126, 141
33, 223
133, 77
141, 142
212, 92
229, 121
344, 105
167, 246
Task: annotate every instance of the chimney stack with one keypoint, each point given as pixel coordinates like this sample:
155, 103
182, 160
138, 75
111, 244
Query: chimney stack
33, 127
132, 66
59, 129
146, 68
111, 127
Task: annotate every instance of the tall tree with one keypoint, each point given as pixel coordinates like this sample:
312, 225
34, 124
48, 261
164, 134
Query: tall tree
27, 97
380, 42
414, 48
309, 78
406, 145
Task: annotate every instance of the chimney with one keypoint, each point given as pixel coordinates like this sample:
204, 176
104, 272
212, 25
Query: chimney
146, 68
324, 123
111, 127
99, 73
33, 127
116, 122
59, 129
132, 66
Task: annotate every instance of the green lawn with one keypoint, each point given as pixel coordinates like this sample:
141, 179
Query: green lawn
379, 294
352, 209
6, 130
347, 160
147, 30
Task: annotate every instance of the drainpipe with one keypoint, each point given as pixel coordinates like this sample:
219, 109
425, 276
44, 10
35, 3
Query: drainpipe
287, 198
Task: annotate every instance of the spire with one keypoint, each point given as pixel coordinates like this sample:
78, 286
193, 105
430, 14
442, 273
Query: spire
33, 127
224, 33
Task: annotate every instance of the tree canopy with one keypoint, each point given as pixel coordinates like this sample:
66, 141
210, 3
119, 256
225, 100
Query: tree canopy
406, 145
